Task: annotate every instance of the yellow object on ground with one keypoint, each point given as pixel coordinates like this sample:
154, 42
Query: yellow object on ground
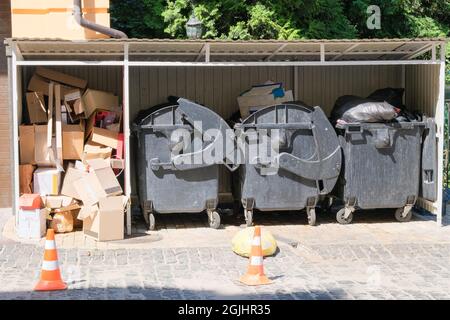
242, 242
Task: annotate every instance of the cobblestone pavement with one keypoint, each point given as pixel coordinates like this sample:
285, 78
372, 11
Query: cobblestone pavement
371, 259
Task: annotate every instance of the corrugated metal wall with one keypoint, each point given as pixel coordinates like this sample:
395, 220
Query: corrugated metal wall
422, 88
321, 86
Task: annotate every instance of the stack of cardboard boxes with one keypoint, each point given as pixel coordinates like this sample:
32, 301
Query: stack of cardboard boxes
71, 149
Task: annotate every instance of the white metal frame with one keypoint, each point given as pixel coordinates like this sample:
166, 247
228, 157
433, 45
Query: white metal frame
18, 61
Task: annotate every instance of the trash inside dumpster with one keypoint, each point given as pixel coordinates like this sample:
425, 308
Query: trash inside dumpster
387, 165
174, 173
301, 162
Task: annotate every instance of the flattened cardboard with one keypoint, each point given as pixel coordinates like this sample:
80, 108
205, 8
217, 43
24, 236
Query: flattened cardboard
26, 178
68, 188
43, 156
26, 144
40, 84
99, 100
251, 103
105, 175
73, 142
107, 222
36, 107
61, 77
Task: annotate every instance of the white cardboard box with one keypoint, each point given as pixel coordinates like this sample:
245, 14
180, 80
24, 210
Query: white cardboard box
47, 181
31, 224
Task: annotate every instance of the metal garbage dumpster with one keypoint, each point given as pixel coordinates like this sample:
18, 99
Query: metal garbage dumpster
173, 176
304, 164
382, 167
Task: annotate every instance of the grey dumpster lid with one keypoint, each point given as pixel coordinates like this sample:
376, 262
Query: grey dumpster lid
224, 50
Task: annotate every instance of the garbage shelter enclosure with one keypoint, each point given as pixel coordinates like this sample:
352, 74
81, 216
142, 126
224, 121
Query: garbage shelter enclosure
143, 72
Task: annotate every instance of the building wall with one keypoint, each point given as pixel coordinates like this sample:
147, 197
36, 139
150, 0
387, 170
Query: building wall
5, 127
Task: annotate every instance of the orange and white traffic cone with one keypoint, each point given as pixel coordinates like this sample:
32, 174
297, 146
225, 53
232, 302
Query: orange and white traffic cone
50, 274
255, 274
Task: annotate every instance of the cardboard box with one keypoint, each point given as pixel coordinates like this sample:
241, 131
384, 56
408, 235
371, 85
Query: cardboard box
117, 163
46, 181
104, 137
251, 103
73, 142
31, 220
68, 188
26, 178
74, 104
40, 84
105, 175
57, 202
99, 100
89, 189
31, 224
95, 151
43, 156
36, 107
26, 144
61, 77
107, 222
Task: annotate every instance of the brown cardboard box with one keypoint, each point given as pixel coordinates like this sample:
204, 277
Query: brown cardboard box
73, 142
36, 107
89, 189
61, 77
107, 222
251, 103
74, 105
26, 178
70, 177
26, 144
104, 137
40, 84
95, 151
105, 175
95, 99
42, 155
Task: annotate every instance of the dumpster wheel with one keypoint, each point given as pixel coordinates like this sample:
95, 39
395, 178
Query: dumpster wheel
151, 221
311, 212
214, 219
401, 217
340, 217
248, 217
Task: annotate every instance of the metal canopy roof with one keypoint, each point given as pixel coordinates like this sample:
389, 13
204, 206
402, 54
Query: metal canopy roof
169, 50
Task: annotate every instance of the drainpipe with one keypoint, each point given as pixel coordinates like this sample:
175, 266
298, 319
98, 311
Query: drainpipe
78, 14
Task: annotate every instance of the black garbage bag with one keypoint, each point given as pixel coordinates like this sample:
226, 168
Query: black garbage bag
356, 109
393, 96
142, 114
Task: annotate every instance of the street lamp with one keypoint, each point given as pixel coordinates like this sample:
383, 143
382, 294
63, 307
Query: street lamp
194, 27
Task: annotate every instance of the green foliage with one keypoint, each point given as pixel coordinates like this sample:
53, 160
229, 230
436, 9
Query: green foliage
282, 19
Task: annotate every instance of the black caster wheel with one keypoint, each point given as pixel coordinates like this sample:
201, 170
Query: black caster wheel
340, 217
399, 215
214, 220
